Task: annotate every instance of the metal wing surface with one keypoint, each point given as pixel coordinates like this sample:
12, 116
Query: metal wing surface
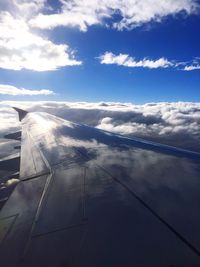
87, 197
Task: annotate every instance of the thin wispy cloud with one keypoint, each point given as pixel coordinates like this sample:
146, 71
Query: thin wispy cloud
128, 61
192, 67
14, 91
132, 13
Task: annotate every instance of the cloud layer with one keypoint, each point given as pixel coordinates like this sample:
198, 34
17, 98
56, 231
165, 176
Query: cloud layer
12, 90
130, 13
175, 124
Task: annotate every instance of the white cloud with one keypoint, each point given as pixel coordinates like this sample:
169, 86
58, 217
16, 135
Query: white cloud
136, 13
175, 123
12, 90
21, 48
132, 13
74, 13
192, 67
23, 8
128, 61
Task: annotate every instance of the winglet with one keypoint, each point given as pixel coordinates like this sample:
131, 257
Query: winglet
22, 113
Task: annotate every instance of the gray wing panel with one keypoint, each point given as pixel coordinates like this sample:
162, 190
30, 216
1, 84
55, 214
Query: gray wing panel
108, 200
96, 222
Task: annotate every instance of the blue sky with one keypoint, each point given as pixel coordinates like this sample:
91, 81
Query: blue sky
113, 54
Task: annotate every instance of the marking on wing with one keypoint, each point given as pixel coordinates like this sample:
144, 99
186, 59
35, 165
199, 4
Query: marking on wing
60, 229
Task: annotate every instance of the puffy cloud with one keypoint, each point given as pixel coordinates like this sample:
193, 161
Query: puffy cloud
175, 124
21, 48
23, 8
128, 61
135, 13
12, 90
131, 13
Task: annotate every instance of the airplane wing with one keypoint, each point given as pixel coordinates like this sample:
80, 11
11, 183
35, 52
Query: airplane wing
87, 197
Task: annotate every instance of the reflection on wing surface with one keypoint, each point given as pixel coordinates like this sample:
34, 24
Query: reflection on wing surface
91, 198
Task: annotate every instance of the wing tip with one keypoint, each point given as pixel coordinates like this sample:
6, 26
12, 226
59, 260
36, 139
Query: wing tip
21, 113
